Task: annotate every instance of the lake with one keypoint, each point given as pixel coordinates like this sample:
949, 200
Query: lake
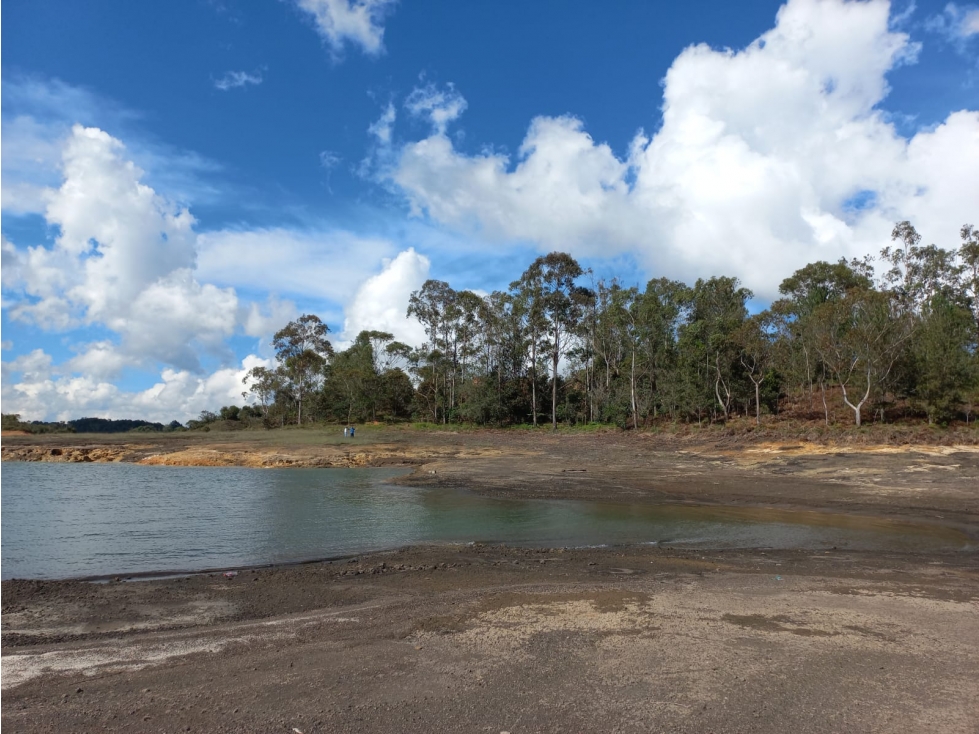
75, 520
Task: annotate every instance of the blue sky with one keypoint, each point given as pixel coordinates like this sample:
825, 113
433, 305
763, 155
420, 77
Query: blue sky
180, 179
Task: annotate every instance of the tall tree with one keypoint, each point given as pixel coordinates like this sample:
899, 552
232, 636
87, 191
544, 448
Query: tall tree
859, 338
302, 349
263, 384
551, 278
804, 291
719, 308
969, 256
435, 307
944, 354
756, 348
528, 293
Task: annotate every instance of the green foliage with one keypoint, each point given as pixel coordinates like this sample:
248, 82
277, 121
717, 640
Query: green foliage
944, 355
12, 422
840, 340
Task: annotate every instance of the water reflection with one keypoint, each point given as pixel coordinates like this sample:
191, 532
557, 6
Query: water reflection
64, 520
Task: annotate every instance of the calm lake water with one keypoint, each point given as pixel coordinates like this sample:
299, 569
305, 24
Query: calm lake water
69, 520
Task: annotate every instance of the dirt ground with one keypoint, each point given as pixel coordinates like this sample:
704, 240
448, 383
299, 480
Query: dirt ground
496, 639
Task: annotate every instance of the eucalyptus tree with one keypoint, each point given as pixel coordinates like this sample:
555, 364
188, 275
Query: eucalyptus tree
607, 324
513, 340
719, 307
366, 380
350, 382
550, 285
631, 317
262, 383
302, 350
944, 353
434, 305
468, 334
757, 351
969, 257
926, 282
373, 346
803, 292
859, 338
659, 312
501, 358
528, 293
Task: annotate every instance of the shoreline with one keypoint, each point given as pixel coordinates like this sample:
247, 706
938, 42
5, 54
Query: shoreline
925, 479
455, 636
969, 531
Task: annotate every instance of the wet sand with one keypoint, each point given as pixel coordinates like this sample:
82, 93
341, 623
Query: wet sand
487, 638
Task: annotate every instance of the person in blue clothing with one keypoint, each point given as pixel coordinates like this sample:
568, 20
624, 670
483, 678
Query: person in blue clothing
351, 431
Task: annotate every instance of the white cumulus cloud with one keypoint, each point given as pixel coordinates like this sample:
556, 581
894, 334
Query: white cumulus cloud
124, 258
767, 158
42, 394
381, 302
355, 21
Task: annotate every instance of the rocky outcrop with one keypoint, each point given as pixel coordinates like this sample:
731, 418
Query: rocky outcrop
64, 454
273, 460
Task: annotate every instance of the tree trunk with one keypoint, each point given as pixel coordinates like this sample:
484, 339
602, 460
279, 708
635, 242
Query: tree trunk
554, 390
635, 412
808, 375
533, 372
717, 389
856, 408
435, 380
757, 402
822, 387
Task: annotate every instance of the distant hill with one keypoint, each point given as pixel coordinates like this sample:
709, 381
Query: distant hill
12, 422
105, 425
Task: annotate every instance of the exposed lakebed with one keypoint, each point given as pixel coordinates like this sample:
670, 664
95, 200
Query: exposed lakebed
62, 521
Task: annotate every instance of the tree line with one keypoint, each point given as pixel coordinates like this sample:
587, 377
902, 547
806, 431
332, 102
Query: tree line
878, 338
12, 422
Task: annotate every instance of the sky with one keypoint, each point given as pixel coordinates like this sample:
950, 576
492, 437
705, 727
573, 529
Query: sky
181, 179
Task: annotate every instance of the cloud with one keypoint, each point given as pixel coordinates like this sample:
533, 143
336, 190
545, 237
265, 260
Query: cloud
767, 158
237, 80
320, 264
382, 128
381, 302
100, 360
125, 259
41, 394
955, 22
349, 21
260, 320
31, 159
329, 159
958, 25
440, 106
38, 117
35, 365
380, 150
